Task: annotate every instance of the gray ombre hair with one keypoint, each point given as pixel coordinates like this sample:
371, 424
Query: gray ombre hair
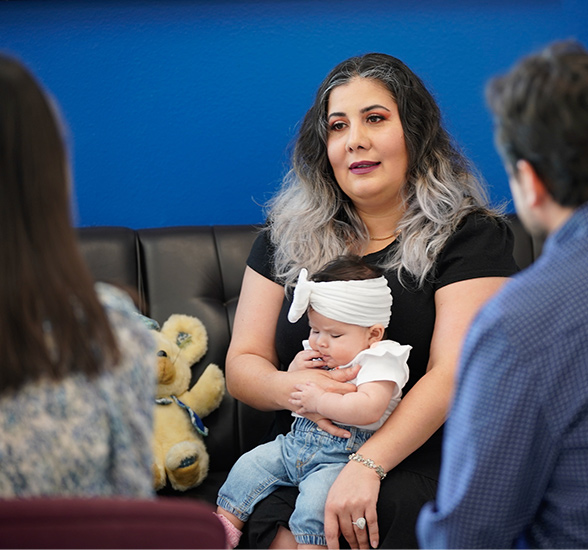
311, 221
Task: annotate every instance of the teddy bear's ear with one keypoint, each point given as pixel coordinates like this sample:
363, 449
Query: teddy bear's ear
189, 334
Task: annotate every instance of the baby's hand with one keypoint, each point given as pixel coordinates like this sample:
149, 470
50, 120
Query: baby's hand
306, 397
306, 359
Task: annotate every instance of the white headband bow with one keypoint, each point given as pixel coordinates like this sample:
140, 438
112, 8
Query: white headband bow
364, 303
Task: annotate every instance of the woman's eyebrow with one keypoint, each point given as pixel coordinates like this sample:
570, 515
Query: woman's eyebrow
335, 114
364, 110
372, 107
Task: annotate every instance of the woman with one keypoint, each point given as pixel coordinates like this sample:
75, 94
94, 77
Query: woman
375, 174
78, 368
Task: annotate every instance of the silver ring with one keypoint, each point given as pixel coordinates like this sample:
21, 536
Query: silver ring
360, 523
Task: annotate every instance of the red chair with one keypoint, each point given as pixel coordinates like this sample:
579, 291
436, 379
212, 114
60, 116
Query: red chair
109, 523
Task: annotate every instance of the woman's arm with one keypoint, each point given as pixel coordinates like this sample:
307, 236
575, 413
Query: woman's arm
420, 413
252, 371
252, 354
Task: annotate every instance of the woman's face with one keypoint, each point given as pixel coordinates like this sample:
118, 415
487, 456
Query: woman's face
365, 144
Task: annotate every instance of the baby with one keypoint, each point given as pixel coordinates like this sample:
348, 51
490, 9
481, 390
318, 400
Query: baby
349, 307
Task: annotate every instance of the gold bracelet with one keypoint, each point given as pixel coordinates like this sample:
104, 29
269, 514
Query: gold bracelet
369, 463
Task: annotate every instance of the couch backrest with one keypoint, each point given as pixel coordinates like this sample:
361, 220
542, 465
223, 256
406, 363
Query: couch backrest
111, 254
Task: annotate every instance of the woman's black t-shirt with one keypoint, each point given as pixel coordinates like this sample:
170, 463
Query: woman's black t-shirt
480, 247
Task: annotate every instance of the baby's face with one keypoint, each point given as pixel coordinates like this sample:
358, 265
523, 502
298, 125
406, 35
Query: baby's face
337, 342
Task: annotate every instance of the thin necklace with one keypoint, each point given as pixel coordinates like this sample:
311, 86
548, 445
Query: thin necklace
394, 235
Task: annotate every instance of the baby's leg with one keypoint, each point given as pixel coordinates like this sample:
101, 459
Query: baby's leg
254, 476
307, 520
232, 525
231, 517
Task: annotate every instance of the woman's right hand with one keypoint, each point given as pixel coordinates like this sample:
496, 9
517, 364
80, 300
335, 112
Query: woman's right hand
329, 380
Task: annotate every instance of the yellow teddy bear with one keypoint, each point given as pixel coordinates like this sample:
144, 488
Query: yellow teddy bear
179, 449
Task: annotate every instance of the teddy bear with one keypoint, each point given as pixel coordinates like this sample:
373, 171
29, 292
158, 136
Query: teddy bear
179, 450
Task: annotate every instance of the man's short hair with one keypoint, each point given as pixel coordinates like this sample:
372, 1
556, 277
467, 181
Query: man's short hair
541, 116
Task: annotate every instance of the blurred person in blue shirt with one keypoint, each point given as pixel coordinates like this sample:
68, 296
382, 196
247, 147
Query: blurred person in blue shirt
515, 454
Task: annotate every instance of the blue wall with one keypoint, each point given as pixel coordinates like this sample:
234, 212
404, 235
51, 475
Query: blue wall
181, 112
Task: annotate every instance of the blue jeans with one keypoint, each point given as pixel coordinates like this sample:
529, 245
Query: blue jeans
306, 457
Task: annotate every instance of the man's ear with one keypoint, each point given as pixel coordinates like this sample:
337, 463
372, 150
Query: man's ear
376, 333
533, 188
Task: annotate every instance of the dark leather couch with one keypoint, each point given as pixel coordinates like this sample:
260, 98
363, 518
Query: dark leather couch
197, 270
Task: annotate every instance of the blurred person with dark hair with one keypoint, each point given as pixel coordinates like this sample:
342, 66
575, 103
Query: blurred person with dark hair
77, 378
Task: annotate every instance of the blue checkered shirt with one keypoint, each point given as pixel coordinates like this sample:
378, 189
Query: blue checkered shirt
515, 455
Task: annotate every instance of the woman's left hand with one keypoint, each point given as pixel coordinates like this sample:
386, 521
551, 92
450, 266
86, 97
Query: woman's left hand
353, 495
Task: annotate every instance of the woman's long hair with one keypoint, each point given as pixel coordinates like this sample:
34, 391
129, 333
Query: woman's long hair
51, 321
311, 221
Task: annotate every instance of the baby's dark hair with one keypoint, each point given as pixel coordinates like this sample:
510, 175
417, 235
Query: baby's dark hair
346, 268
